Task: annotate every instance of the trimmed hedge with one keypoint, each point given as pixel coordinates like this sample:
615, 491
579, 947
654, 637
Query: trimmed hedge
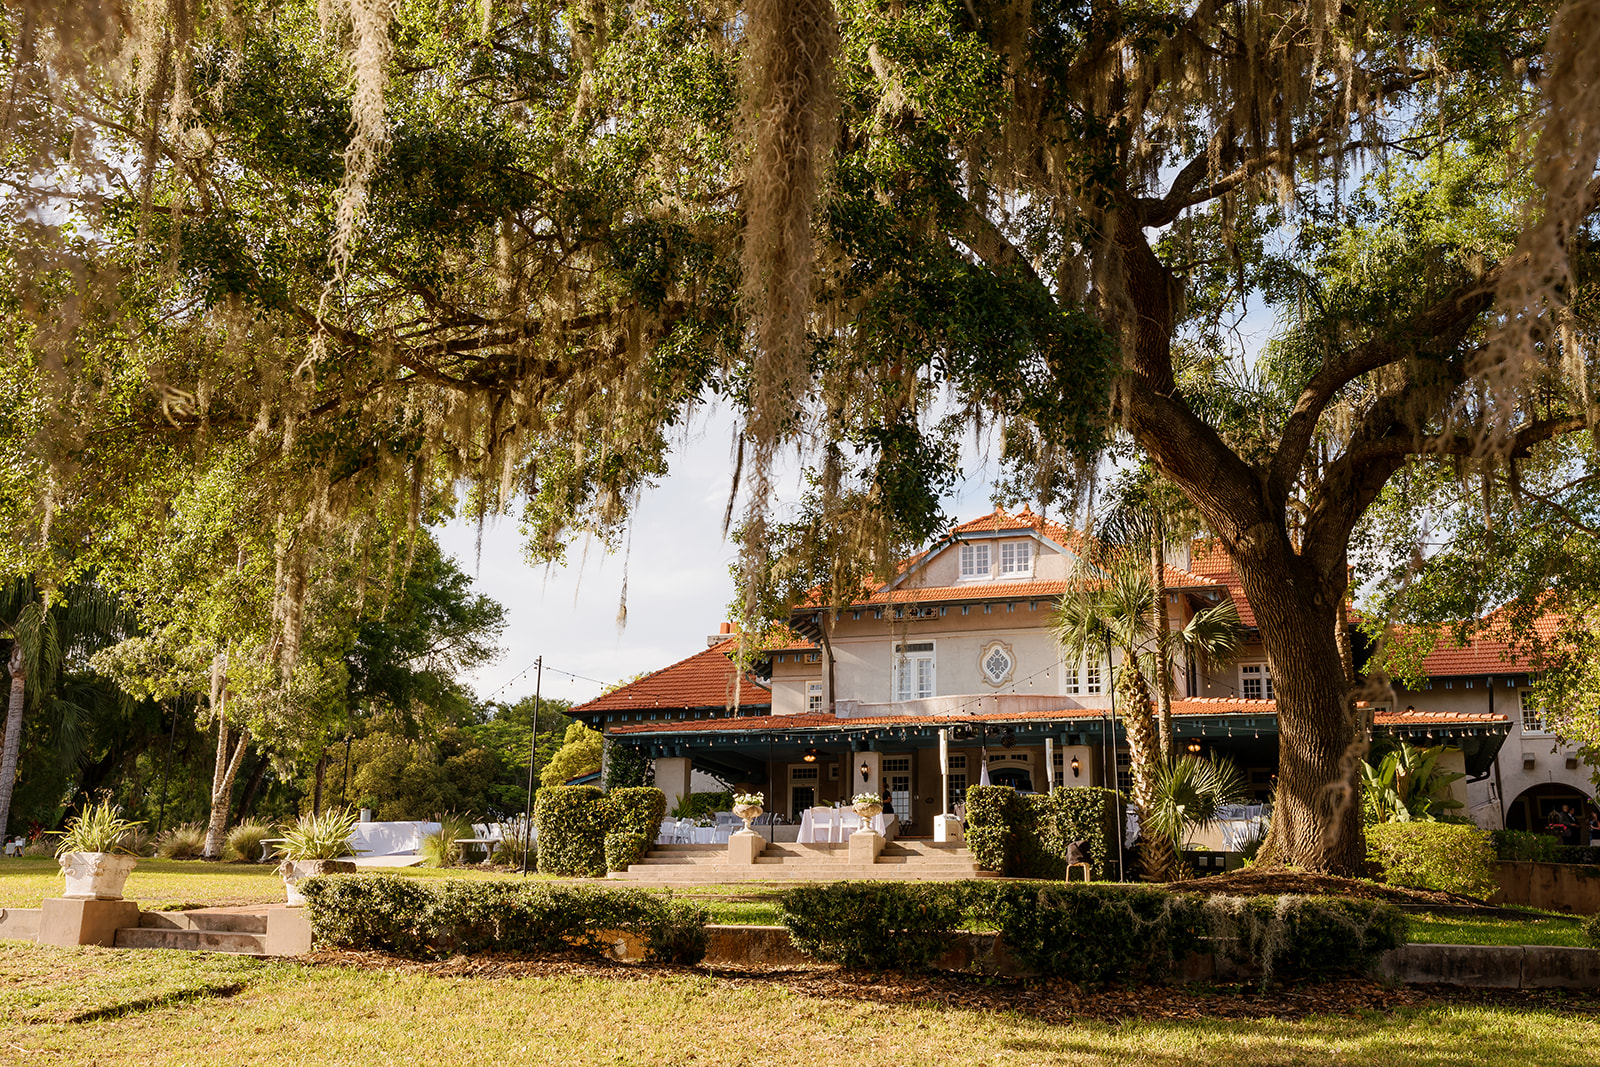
901, 926
1522, 845
1443, 856
571, 831
407, 917
1094, 932
1304, 937
1592, 928
1027, 836
576, 824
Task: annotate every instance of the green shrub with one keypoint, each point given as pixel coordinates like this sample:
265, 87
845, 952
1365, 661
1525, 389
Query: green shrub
635, 810
404, 916
184, 842
1027, 836
570, 820
625, 849
1521, 845
1291, 937
1592, 928
244, 841
1448, 857
1092, 932
702, 805
574, 821
901, 926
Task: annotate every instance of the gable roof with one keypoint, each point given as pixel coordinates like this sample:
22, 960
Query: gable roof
1209, 560
703, 680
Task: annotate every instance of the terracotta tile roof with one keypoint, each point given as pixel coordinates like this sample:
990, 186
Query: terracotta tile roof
999, 522
1487, 652
703, 680
1199, 706
1435, 718
1209, 559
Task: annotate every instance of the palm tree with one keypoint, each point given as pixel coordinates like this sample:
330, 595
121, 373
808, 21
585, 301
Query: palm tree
1108, 609
43, 628
1189, 794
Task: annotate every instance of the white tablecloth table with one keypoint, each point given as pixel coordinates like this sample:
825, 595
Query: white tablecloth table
835, 825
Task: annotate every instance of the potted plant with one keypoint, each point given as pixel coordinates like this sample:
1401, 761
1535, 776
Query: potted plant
93, 855
312, 846
868, 805
748, 806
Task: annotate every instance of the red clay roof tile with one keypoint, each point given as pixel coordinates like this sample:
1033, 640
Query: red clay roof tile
703, 680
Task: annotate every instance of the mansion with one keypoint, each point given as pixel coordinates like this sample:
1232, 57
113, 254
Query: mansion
958, 649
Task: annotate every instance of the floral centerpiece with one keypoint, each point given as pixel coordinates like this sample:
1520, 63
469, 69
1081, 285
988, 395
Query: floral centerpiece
748, 806
868, 805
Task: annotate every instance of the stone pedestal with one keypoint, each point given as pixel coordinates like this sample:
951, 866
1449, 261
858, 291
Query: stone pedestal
864, 847
744, 846
947, 830
288, 932
84, 922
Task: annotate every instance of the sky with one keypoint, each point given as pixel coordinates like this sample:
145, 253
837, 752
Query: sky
678, 580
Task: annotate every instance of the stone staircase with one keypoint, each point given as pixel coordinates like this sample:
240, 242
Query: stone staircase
903, 860
207, 930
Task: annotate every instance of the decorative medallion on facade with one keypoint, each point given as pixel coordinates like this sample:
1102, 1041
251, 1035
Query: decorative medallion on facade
997, 663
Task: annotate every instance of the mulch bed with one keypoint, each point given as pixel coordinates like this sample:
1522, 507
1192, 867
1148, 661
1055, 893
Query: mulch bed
1252, 883
1055, 1002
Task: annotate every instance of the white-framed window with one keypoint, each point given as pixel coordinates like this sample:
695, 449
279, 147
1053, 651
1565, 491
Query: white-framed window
958, 761
808, 773
958, 787
1091, 676
813, 696
896, 764
1069, 677
1016, 557
1532, 714
1255, 681
913, 670
975, 561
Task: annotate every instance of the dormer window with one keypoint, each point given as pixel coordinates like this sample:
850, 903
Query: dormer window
1016, 558
974, 561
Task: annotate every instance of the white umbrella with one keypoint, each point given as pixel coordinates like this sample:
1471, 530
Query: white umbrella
983, 773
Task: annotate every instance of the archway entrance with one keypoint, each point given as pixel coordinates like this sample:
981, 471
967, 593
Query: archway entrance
1534, 807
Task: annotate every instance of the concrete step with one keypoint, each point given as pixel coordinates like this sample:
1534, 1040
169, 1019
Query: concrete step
215, 921
192, 940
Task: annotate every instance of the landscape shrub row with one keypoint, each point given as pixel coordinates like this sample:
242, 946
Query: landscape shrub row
1443, 856
1088, 932
1541, 848
583, 832
1592, 928
1026, 836
410, 917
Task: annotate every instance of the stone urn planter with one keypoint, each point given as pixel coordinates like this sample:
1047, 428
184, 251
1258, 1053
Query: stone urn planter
296, 871
749, 806
869, 807
95, 875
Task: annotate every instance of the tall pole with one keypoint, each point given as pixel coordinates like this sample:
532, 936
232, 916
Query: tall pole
533, 762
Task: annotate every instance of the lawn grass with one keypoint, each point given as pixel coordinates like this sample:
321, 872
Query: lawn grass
82, 1006
1537, 928
164, 884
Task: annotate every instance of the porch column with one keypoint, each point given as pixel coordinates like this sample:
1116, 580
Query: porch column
1049, 765
672, 778
873, 783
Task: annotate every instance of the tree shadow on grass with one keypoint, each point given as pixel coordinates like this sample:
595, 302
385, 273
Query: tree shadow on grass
162, 1000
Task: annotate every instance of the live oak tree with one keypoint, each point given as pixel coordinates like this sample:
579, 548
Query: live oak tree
511, 244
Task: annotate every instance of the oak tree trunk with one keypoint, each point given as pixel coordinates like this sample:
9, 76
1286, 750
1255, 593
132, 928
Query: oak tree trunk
1316, 817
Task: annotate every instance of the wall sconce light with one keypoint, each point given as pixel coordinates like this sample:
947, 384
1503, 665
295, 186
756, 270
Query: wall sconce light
1194, 746
1075, 766
810, 756
865, 770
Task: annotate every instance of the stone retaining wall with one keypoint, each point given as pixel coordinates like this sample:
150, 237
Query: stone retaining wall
1568, 887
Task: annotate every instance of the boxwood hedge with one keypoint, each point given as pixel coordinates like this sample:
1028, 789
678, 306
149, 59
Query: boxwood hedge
1027, 836
574, 822
407, 917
